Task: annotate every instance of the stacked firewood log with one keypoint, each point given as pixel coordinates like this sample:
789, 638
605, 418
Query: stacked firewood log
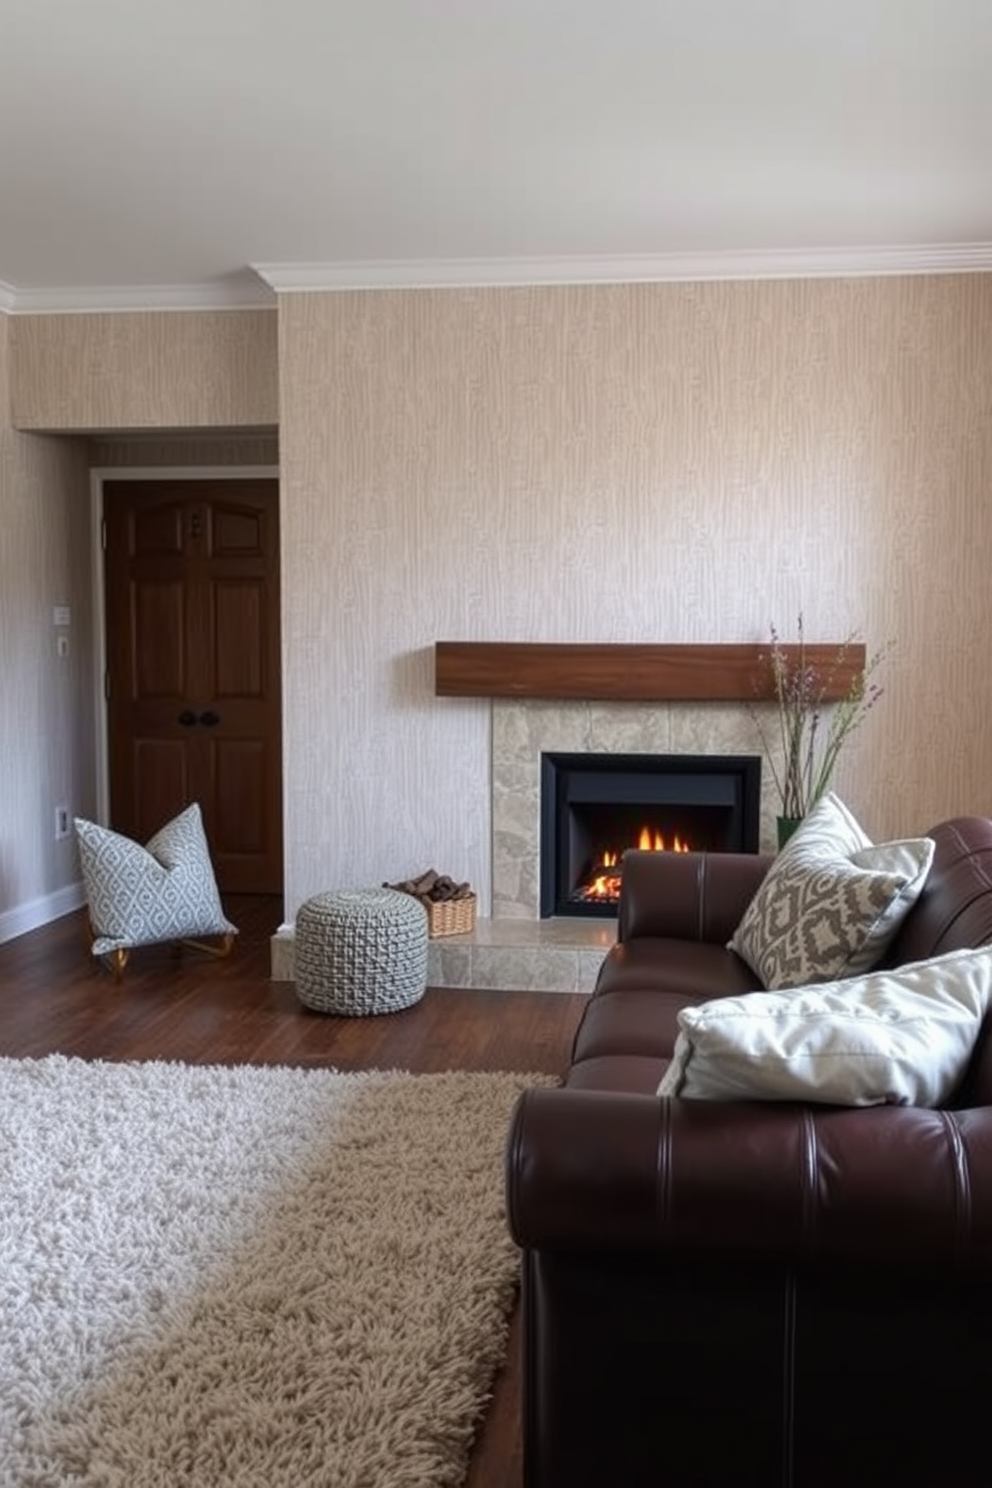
432, 887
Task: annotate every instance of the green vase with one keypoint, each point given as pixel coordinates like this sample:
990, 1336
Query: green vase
785, 826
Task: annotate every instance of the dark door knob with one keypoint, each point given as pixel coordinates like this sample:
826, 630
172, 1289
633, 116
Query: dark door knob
209, 719
186, 718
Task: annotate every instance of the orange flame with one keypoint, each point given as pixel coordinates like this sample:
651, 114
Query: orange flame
649, 841
606, 884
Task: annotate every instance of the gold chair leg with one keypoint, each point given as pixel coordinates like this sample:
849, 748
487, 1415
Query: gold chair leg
118, 961
222, 949
114, 960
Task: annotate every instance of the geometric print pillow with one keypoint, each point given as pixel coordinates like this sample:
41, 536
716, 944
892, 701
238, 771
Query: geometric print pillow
139, 895
832, 901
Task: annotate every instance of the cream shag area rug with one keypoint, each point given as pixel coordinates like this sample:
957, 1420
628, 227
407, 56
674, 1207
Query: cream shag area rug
261, 1277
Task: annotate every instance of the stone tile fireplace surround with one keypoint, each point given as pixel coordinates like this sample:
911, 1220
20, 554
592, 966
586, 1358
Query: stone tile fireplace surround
564, 954
523, 731
513, 948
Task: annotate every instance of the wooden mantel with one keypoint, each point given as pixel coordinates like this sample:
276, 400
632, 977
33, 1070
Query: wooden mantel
632, 673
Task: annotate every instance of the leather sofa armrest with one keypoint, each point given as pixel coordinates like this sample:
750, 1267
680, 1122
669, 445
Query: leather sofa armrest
687, 896
799, 1184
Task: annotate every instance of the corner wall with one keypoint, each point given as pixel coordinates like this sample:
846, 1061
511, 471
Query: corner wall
134, 380
46, 703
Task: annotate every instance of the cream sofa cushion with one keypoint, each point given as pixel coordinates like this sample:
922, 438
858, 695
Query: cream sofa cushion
901, 1037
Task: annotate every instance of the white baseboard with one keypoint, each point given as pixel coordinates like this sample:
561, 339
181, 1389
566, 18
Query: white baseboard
36, 912
282, 952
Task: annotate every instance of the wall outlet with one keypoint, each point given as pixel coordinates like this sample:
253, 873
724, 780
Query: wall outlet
63, 824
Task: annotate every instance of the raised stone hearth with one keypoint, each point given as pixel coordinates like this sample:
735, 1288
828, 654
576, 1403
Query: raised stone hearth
559, 955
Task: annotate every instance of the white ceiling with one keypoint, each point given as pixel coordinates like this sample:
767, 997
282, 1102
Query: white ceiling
158, 151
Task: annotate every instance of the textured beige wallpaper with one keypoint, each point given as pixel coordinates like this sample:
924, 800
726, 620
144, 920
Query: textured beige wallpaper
46, 703
635, 462
638, 462
154, 369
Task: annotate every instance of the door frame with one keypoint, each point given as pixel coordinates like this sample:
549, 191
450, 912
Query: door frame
98, 476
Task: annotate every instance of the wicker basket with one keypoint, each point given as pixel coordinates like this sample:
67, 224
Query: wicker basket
451, 917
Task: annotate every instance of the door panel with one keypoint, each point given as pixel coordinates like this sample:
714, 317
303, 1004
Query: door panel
238, 770
194, 711
159, 650
159, 769
239, 608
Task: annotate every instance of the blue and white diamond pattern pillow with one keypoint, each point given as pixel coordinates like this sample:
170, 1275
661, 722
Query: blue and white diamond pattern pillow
163, 891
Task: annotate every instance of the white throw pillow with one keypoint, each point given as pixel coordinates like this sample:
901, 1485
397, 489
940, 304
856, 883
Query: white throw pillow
832, 901
138, 895
901, 1037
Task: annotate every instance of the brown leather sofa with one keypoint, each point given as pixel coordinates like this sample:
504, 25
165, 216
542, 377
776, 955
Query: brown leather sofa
752, 1295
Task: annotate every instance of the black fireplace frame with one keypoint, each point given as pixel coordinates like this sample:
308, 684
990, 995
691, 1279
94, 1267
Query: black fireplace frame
731, 781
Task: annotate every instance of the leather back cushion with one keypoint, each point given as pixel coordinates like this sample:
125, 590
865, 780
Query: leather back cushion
954, 910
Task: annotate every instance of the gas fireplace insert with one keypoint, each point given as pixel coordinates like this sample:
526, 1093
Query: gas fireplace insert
596, 806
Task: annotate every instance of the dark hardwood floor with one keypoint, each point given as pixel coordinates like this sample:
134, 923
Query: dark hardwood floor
180, 1004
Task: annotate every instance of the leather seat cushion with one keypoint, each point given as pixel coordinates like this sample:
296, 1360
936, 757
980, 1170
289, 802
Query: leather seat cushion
630, 1074
690, 968
625, 1023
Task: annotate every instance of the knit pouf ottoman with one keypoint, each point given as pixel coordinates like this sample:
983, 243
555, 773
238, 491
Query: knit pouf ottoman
361, 951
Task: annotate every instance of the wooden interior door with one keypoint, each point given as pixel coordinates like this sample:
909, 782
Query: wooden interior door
193, 660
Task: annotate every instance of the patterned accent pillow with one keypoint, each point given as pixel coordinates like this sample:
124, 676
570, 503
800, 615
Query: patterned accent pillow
832, 902
140, 895
902, 1037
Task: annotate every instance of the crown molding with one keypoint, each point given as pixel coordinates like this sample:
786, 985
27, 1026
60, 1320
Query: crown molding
818, 263
245, 293
256, 287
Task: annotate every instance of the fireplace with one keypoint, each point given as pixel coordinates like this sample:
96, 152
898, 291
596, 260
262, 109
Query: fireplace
596, 806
